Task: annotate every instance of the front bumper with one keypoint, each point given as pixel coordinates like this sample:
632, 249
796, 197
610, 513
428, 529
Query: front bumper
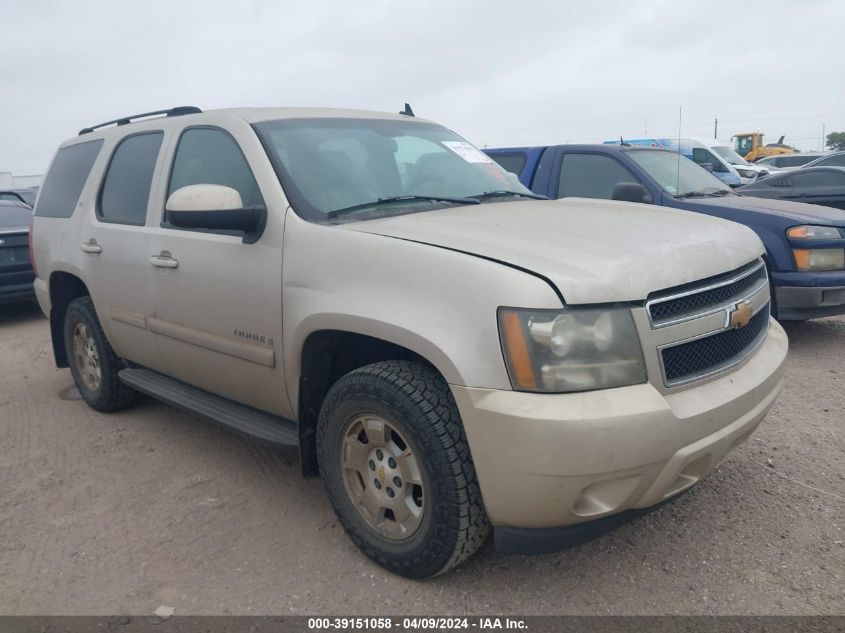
16, 286
795, 303
808, 295
545, 461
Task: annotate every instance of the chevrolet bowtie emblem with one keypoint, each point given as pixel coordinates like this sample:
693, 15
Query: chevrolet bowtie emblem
740, 314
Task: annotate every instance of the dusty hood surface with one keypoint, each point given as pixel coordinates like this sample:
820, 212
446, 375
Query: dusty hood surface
787, 209
594, 251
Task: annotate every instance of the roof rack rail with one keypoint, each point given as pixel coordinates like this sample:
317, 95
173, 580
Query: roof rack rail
177, 111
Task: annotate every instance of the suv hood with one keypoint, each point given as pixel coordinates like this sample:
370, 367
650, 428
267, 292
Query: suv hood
795, 212
593, 251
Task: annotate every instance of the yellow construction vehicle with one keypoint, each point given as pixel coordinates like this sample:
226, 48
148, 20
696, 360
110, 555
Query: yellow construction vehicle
750, 146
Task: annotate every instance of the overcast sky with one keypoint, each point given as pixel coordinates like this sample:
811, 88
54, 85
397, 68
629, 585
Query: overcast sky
499, 73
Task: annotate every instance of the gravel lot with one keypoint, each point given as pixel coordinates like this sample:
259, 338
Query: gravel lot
122, 513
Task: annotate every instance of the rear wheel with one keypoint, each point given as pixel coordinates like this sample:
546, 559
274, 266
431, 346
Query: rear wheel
397, 468
93, 363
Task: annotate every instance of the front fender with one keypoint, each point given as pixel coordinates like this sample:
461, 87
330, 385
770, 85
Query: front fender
438, 303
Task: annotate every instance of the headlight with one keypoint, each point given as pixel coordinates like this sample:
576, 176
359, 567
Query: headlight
810, 232
747, 173
817, 259
554, 351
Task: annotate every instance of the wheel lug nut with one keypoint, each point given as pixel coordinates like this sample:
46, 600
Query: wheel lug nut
379, 454
397, 482
390, 493
377, 484
391, 462
372, 465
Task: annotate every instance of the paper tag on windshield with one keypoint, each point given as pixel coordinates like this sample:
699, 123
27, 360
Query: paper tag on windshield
467, 152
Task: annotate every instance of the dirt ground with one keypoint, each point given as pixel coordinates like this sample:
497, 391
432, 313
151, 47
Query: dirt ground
122, 513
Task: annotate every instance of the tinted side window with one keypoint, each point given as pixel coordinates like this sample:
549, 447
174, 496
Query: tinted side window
66, 179
702, 156
126, 187
511, 162
794, 161
818, 179
208, 156
591, 176
833, 161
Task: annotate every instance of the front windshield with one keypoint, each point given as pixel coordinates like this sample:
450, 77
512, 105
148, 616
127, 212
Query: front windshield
743, 144
677, 175
729, 155
383, 166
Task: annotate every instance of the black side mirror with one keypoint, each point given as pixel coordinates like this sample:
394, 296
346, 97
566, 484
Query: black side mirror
246, 219
215, 207
631, 192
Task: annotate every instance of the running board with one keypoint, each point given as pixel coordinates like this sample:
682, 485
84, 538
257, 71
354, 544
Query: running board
237, 417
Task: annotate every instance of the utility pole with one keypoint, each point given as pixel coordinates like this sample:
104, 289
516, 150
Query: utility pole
716, 127
824, 138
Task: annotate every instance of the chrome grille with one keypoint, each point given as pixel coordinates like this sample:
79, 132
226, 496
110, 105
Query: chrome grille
711, 354
692, 329
732, 289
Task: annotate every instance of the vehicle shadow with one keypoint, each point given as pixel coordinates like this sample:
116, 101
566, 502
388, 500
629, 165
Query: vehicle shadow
17, 313
816, 333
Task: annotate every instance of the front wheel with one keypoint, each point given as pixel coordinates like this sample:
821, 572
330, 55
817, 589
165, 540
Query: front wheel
397, 468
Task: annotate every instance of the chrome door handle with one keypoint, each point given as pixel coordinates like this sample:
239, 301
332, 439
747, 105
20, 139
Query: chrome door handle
91, 246
164, 260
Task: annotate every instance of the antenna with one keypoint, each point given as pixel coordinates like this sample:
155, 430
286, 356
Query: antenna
678, 172
407, 111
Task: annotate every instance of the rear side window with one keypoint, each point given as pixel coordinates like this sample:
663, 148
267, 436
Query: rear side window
591, 176
702, 156
818, 179
209, 156
66, 179
793, 161
511, 162
834, 161
126, 187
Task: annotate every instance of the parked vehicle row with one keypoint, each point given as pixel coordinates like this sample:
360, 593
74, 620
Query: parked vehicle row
451, 352
816, 185
835, 159
714, 155
16, 274
805, 244
786, 162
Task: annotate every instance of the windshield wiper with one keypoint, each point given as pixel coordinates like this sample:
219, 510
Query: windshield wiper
504, 192
703, 193
394, 199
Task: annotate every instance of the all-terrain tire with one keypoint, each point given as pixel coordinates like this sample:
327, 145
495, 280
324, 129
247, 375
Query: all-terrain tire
110, 394
416, 401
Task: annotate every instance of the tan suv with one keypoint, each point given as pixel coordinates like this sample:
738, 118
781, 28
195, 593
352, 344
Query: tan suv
448, 352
